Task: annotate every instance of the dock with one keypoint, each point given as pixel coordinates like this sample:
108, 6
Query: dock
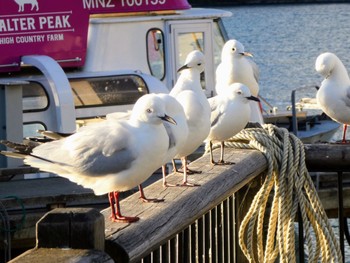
192, 223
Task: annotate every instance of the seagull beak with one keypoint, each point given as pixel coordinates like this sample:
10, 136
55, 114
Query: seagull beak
168, 119
247, 54
253, 98
183, 67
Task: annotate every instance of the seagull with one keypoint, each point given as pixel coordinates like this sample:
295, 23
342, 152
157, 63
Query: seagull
230, 113
189, 93
109, 156
236, 66
334, 94
177, 133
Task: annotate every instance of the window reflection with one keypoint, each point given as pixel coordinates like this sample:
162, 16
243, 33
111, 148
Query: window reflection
187, 43
34, 97
218, 42
31, 129
155, 53
106, 91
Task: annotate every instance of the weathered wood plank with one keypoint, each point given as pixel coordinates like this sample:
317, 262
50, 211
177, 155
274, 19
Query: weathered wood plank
327, 157
78, 228
62, 255
161, 221
68, 235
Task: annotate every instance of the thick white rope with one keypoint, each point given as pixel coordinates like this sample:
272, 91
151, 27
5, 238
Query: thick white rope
287, 186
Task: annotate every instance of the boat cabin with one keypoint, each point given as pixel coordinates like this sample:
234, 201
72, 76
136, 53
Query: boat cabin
67, 62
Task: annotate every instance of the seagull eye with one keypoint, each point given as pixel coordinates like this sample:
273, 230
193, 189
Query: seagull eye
239, 92
233, 49
199, 64
149, 111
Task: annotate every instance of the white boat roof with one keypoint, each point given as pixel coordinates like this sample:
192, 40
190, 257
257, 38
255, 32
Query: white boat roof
193, 13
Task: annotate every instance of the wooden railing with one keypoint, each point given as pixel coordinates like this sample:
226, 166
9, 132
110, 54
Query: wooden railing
194, 224
200, 224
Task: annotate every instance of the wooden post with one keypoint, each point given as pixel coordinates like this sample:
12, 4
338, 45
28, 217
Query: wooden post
68, 235
71, 228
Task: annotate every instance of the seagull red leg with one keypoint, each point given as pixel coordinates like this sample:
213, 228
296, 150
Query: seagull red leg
221, 161
115, 207
174, 166
148, 200
345, 127
185, 182
165, 183
211, 153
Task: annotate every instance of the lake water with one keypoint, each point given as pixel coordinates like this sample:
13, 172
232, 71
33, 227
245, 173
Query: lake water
286, 40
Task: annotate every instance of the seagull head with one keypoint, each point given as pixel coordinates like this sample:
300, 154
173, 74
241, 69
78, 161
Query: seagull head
151, 108
239, 91
194, 60
325, 64
234, 48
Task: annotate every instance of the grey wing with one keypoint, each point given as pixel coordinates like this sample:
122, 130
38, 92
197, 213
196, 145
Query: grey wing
95, 150
215, 112
112, 152
100, 164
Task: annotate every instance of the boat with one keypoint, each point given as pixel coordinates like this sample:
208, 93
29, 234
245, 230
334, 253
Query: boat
65, 64
303, 118
68, 63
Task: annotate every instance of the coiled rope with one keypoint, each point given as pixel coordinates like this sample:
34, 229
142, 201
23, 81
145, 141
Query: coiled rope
287, 187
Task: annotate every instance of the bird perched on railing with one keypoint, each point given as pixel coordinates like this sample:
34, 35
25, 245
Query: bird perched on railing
177, 133
189, 93
237, 67
333, 96
109, 156
230, 113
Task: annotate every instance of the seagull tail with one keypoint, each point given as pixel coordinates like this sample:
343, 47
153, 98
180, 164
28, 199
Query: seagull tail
54, 135
14, 154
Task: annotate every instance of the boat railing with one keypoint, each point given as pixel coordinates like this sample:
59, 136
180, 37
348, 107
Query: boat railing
294, 108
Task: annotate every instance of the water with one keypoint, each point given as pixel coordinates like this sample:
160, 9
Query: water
286, 40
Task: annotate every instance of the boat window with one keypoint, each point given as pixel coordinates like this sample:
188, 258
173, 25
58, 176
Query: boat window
30, 129
35, 97
220, 37
189, 42
106, 91
155, 53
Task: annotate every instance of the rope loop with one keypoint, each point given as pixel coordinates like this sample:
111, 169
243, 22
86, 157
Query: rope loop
289, 187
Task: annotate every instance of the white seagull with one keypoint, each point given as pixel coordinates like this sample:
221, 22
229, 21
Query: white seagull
230, 113
236, 66
334, 94
189, 93
110, 156
177, 133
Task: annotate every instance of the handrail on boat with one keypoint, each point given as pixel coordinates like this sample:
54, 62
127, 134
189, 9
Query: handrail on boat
294, 112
